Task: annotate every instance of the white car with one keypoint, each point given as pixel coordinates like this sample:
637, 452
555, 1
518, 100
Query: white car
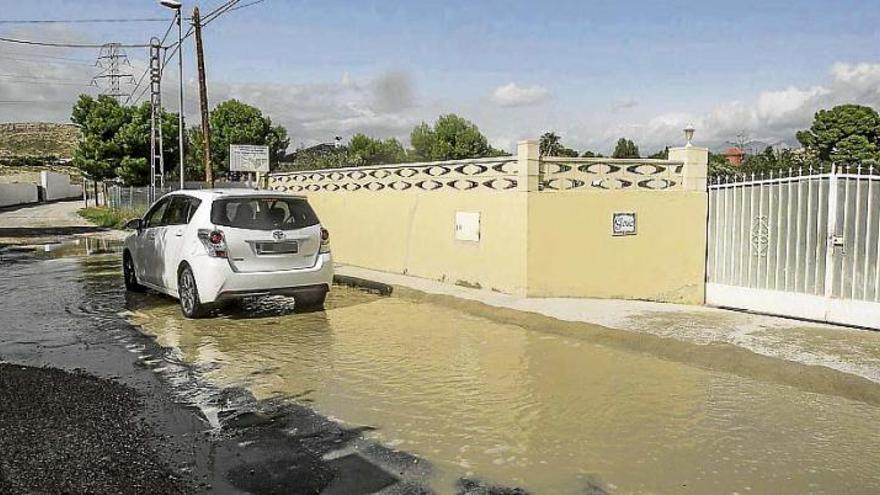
205, 247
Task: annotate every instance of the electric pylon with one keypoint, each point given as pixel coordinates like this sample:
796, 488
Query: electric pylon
112, 61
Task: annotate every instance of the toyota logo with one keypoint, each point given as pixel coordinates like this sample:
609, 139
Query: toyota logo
278, 235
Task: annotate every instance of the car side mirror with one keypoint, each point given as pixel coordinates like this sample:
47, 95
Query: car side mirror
133, 224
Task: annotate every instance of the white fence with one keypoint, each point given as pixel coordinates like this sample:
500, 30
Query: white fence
140, 198
798, 245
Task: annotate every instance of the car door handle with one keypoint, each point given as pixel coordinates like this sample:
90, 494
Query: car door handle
179, 233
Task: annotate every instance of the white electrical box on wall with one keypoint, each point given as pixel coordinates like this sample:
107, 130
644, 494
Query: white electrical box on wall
467, 226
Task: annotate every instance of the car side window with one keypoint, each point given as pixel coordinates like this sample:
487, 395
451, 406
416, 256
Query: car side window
153, 218
176, 212
193, 206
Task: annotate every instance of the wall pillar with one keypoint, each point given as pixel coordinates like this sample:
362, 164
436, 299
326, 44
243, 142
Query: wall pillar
696, 166
528, 156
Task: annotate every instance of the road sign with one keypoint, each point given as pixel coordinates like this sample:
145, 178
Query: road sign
248, 158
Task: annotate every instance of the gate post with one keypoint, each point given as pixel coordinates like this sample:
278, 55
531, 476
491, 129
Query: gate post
831, 238
696, 166
528, 166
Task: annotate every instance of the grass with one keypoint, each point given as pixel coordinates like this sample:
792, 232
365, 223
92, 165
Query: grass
109, 217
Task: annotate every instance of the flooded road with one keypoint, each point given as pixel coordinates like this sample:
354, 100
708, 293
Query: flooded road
549, 412
545, 406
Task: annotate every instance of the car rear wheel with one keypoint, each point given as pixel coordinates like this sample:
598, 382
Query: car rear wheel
312, 300
189, 294
128, 273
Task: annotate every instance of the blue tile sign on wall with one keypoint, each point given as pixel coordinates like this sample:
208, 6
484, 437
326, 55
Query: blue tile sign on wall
623, 223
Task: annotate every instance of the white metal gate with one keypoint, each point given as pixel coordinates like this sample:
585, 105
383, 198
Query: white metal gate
806, 246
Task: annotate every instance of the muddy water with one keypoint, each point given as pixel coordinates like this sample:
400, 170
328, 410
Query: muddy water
550, 412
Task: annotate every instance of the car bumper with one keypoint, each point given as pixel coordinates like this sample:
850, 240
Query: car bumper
224, 284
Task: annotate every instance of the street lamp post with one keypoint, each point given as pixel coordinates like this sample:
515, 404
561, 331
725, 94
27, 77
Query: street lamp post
176, 5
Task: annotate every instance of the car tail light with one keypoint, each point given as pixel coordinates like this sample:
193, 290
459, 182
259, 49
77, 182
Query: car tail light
214, 242
325, 241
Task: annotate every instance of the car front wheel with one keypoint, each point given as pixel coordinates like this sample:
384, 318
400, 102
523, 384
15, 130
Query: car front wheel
190, 304
128, 273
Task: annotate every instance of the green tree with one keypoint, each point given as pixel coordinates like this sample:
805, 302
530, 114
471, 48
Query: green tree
97, 155
551, 145
364, 150
769, 161
851, 130
134, 171
116, 140
661, 155
591, 154
450, 138
133, 139
855, 149
719, 165
234, 122
422, 141
625, 149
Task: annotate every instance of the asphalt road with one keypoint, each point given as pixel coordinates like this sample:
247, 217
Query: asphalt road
43, 221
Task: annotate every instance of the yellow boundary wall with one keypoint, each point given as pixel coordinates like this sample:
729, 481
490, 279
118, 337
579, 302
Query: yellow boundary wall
572, 251
542, 244
414, 234
545, 224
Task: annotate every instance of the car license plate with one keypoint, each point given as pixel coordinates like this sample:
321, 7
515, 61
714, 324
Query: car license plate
280, 247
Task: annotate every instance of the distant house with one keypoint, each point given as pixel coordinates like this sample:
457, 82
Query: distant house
734, 156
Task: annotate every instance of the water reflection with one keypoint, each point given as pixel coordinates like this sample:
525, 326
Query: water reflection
547, 412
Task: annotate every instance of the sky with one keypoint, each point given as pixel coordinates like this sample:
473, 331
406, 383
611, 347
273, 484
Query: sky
590, 71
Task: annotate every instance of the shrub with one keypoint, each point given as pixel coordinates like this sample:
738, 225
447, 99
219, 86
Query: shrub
109, 217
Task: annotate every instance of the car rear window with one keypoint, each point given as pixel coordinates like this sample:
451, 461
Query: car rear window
263, 213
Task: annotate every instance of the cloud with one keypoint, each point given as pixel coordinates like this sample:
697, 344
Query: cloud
381, 106
772, 116
624, 104
41, 83
511, 95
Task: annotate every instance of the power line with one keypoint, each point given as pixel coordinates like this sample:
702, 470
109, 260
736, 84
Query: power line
138, 85
246, 5
40, 55
68, 45
33, 101
222, 9
210, 16
141, 95
34, 61
79, 21
37, 78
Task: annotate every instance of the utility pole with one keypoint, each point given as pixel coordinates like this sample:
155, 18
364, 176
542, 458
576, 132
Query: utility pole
157, 155
180, 116
111, 58
203, 99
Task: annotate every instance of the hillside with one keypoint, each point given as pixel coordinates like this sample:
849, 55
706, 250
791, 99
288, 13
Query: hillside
38, 139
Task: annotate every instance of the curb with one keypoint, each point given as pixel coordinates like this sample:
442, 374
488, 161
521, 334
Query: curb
362, 283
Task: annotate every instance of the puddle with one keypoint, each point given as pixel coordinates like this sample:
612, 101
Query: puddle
503, 400
544, 411
66, 248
